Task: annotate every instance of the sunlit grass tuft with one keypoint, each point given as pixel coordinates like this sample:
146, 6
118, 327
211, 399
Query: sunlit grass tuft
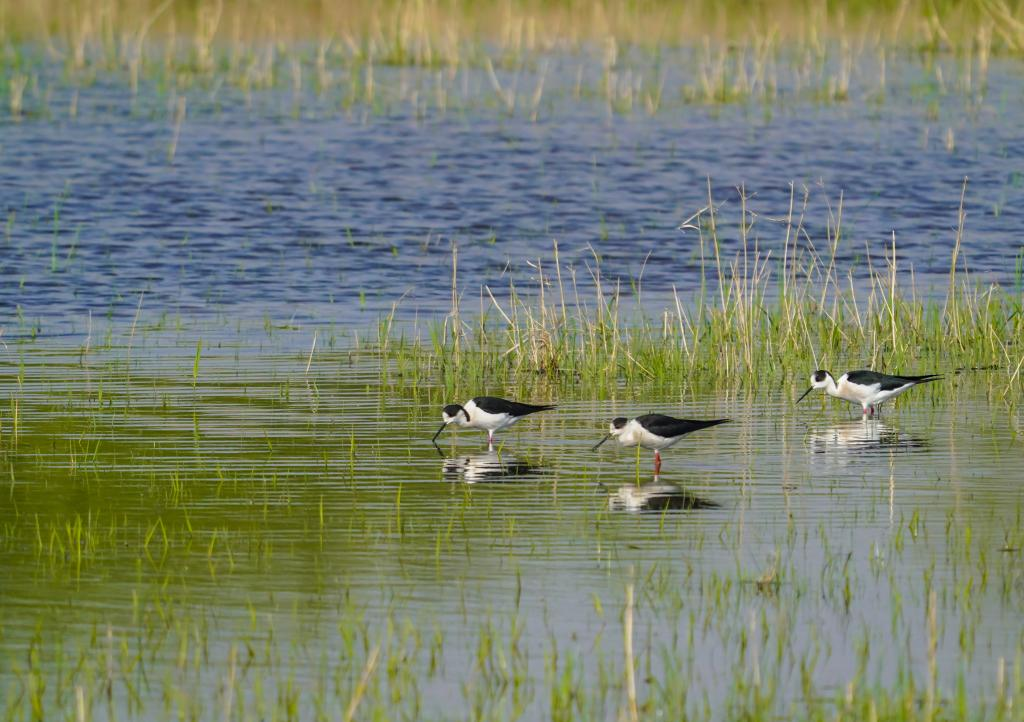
759, 323
518, 58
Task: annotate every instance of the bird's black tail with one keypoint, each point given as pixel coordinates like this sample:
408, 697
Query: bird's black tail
708, 423
524, 409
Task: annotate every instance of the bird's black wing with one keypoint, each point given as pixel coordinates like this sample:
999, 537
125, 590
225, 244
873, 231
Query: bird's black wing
887, 382
494, 405
668, 426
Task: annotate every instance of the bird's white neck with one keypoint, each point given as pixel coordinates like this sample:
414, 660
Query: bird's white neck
465, 419
632, 434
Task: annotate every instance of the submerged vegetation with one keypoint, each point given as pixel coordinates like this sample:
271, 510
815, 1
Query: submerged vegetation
248, 534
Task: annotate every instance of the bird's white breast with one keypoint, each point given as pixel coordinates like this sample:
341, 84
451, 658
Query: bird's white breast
637, 435
858, 393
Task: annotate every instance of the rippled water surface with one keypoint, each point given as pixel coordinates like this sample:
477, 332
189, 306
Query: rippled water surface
168, 528
297, 204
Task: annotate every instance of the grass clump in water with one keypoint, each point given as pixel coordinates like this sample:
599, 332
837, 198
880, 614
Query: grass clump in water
759, 321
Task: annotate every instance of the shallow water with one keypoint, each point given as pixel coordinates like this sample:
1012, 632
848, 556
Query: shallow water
167, 537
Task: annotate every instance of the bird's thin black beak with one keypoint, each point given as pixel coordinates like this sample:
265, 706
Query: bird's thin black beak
434, 440
594, 448
805, 393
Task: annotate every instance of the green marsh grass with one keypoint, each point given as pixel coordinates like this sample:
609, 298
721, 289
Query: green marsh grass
760, 322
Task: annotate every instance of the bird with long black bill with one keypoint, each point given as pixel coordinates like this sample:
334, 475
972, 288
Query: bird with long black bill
486, 412
865, 387
654, 431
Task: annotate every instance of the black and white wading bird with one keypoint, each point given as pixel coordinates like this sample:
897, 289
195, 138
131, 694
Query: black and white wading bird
486, 412
865, 387
654, 431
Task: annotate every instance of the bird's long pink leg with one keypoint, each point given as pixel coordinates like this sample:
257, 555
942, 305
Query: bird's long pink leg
490, 440
657, 462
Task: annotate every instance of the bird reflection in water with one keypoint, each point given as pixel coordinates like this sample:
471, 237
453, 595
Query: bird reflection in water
656, 495
488, 466
864, 436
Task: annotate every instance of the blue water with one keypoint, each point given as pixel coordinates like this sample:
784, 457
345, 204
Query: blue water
294, 206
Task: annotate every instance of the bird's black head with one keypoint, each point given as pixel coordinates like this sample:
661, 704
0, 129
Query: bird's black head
617, 427
819, 380
449, 415
450, 412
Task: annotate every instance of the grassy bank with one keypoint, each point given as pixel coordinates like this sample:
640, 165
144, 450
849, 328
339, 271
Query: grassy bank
519, 56
762, 317
427, 29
